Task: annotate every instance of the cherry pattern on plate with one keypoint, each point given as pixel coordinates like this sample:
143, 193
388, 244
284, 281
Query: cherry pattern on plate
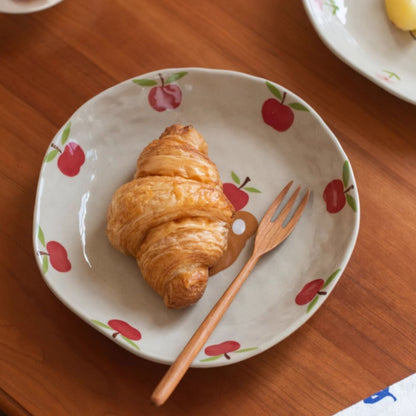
311, 291
237, 192
387, 76
164, 94
121, 329
224, 349
276, 113
71, 155
336, 193
54, 253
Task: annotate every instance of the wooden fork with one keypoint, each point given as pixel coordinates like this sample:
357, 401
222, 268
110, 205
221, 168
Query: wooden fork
270, 233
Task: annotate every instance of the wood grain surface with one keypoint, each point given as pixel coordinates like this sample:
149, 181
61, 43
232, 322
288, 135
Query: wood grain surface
362, 338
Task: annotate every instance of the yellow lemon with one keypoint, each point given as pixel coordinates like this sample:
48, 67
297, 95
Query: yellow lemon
402, 13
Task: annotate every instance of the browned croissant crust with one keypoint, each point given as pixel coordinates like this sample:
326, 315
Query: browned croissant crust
173, 216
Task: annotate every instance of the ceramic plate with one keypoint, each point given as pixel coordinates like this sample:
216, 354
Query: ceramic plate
261, 136
25, 6
361, 35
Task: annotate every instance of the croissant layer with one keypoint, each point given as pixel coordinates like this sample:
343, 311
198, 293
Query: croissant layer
198, 242
145, 203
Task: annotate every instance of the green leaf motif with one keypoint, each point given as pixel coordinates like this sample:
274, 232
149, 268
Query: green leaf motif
298, 106
312, 303
250, 189
98, 323
145, 82
331, 278
333, 5
129, 341
45, 264
51, 155
346, 173
391, 74
41, 236
274, 90
236, 179
247, 349
65, 133
211, 358
351, 202
175, 77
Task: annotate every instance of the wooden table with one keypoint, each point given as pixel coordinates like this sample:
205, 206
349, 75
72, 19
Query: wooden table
360, 341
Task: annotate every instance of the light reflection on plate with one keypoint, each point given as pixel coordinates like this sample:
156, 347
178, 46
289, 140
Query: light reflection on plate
106, 135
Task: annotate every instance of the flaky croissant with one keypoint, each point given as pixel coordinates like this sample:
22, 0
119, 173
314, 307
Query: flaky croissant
173, 217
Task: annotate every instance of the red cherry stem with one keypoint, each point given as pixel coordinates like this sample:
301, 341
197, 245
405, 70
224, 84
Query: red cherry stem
349, 189
246, 181
43, 253
115, 334
56, 147
162, 80
227, 356
283, 98
321, 292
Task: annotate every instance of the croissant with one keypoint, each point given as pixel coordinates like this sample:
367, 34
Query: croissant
173, 217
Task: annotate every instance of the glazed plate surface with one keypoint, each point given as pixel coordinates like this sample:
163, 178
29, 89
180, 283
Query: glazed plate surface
361, 35
261, 136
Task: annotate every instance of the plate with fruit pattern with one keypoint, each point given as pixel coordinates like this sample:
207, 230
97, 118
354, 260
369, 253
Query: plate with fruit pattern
24, 6
361, 35
261, 136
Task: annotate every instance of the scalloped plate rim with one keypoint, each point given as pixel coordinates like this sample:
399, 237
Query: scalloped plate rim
273, 341
355, 66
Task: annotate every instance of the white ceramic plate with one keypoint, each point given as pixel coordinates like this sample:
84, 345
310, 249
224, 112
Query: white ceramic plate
360, 34
106, 135
25, 6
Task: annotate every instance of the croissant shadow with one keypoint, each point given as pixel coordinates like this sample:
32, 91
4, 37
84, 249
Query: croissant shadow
116, 280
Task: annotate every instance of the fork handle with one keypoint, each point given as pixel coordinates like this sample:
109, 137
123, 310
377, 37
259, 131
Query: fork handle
178, 369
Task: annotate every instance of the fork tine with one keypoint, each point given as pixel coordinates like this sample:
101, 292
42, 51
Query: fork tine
291, 224
272, 209
286, 209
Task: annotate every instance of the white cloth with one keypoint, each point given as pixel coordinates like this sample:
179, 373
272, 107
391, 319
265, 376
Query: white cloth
399, 399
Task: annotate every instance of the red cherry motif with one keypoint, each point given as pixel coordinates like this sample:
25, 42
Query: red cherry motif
334, 196
276, 113
58, 256
320, 3
309, 291
127, 333
222, 349
336, 192
123, 328
166, 96
237, 194
71, 158
53, 253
